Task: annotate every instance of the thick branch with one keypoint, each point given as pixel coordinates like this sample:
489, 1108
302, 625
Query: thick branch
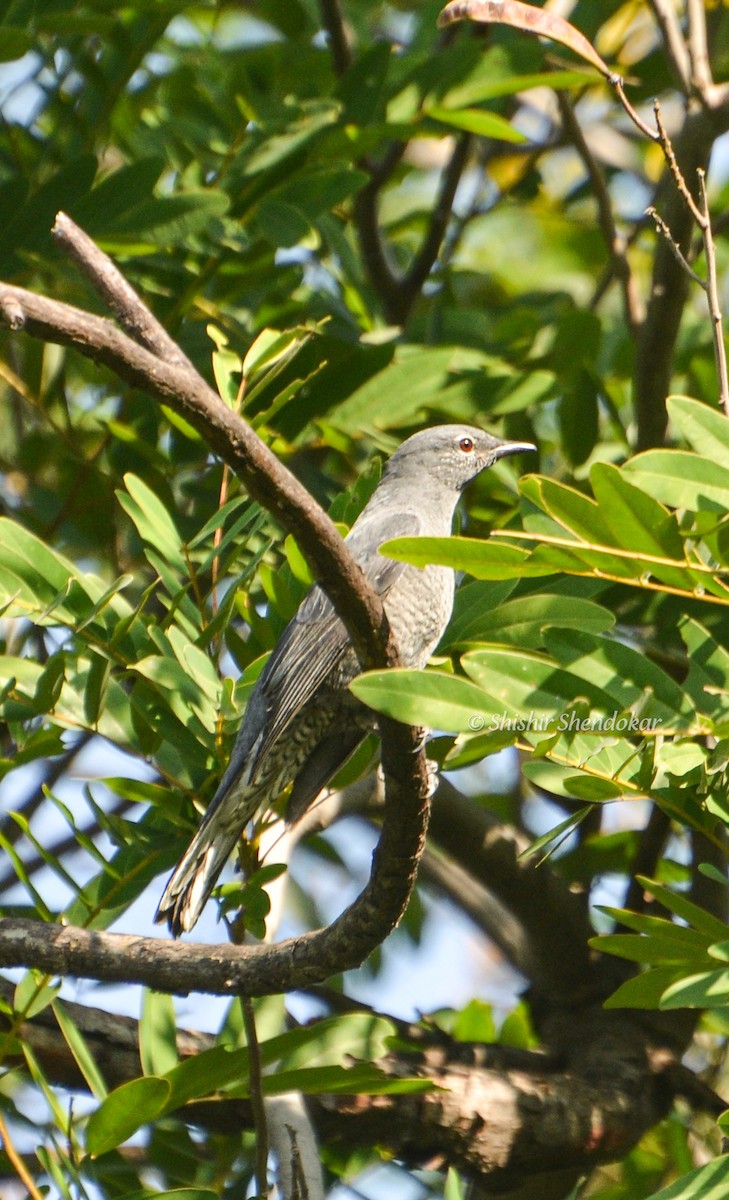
133, 316
251, 970
228, 435
349, 940
553, 919
503, 1115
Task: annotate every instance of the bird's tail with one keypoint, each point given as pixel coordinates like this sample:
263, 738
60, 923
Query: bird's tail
195, 876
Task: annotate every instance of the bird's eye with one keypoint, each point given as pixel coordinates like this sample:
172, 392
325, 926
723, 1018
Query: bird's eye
466, 444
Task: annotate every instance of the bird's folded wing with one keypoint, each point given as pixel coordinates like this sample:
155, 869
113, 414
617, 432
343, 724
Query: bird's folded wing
315, 642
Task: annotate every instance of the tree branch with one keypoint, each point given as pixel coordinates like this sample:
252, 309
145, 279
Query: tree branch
424, 260
701, 77
554, 920
348, 941
667, 20
331, 19
502, 1114
614, 241
669, 289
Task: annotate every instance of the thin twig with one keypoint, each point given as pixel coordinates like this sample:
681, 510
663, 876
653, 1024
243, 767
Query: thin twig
701, 77
672, 163
619, 88
331, 19
615, 242
424, 260
675, 249
673, 39
294, 1143
702, 216
712, 289
17, 1163
255, 1076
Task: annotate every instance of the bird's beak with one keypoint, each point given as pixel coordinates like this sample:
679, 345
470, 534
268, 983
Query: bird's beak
506, 448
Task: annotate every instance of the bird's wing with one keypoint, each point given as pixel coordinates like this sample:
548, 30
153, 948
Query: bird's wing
315, 641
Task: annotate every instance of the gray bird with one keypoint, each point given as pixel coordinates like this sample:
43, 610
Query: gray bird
301, 723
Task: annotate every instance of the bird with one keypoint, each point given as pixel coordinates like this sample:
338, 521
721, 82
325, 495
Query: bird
301, 723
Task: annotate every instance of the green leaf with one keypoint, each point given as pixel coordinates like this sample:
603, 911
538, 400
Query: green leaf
720, 950
475, 1023
33, 994
166, 220
629, 678
181, 1193
681, 479
431, 698
706, 989
644, 990
157, 1033
484, 86
124, 1111
703, 427
686, 910
637, 521
574, 511
475, 120
657, 949
709, 1182
80, 1050
482, 559
153, 521
360, 1079
527, 682
398, 393
522, 621
591, 788
205, 1074
681, 756
14, 43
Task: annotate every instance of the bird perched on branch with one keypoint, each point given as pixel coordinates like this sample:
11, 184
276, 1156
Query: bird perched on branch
301, 723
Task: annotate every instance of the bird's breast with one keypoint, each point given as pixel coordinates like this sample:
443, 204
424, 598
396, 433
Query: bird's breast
418, 608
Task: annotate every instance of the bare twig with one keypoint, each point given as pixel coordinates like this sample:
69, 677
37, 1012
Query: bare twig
619, 88
255, 1071
293, 1140
667, 20
701, 77
17, 1162
700, 213
712, 289
674, 248
671, 161
615, 242
331, 18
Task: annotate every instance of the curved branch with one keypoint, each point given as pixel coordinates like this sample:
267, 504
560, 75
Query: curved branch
259, 970
361, 928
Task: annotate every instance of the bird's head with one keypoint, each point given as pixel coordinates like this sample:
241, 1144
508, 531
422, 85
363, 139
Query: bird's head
449, 455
